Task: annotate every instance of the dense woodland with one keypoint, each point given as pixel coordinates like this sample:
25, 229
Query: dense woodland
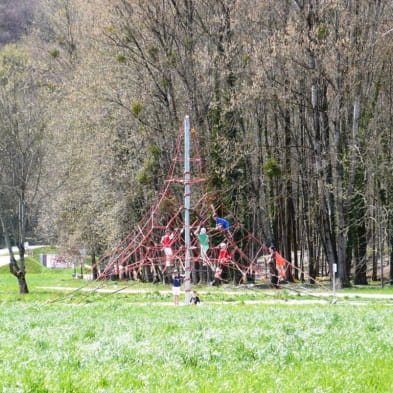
292, 100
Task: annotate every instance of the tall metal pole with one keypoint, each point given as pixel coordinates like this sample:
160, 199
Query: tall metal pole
187, 201
334, 282
381, 254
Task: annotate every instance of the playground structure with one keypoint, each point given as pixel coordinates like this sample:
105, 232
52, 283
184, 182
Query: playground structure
140, 255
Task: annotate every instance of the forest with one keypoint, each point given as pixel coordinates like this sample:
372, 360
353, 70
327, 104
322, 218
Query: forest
292, 101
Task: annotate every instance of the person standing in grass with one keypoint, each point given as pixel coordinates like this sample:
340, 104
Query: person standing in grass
176, 284
195, 298
273, 267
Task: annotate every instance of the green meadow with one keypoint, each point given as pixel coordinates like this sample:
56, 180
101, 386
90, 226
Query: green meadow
77, 341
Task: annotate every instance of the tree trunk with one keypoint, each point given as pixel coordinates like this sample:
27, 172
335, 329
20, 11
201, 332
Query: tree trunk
360, 252
391, 247
22, 283
18, 270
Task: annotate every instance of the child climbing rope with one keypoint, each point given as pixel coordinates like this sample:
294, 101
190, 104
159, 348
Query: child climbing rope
222, 260
166, 242
223, 255
221, 223
203, 244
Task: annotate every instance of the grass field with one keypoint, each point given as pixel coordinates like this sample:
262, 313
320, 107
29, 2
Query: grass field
68, 342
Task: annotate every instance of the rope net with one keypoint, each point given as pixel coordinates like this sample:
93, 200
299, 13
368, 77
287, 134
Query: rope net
155, 248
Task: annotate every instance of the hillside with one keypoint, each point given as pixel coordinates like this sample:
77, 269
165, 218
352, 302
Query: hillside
15, 18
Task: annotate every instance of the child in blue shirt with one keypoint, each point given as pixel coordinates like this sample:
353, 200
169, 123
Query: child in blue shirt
176, 284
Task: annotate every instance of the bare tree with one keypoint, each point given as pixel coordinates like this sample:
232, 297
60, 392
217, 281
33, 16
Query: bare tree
22, 127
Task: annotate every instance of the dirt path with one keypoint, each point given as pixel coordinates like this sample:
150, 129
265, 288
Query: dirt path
319, 297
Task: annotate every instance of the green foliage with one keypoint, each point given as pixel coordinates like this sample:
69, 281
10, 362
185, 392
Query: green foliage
121, 58
147, 173
224, 168
168, 204
136, 108
143, 176
154, 151
54, 53
323, 31
172, 57
246, 58
164, 82
271, 168
153, 52
188, 42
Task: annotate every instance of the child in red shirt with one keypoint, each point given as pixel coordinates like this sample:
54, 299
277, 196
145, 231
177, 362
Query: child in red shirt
166, 242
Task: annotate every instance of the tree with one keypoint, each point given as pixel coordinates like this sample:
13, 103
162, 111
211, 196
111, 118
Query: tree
22, 128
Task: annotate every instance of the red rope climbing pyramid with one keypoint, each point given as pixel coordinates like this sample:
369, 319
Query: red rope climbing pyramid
147, 254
